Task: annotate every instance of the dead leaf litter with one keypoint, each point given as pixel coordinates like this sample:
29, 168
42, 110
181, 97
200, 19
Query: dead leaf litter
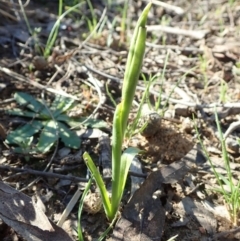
192, 63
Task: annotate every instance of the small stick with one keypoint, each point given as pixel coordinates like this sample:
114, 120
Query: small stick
197, 34
33, 83
175, 47
45, 174
233, 126
173, 8
55, 175
231, 105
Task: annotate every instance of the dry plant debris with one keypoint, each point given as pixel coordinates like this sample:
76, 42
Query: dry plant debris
193, 51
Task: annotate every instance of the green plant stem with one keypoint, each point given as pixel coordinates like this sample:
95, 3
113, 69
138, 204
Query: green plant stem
159, 100
123, 20
121, 163
110, 95
104, 234
117, 139
133, 128
97, 176
80, 207
53, 34
231, 197
133, 66
25, 17
224, 150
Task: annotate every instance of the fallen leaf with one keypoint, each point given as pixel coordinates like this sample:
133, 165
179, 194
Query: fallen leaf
19, 212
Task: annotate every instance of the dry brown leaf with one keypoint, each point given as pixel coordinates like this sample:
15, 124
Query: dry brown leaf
19, 212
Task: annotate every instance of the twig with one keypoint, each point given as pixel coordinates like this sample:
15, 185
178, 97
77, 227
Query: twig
233, 105
54, 76
175, 9
197, 34
98, 86
69, 207
95, 29
35, 84
8, 15
104, 74
7, 101
70, 70
44, 174
233, 126
26, 3
175, 47
224, 234
60, 176
195, 105
182, 94
13, 5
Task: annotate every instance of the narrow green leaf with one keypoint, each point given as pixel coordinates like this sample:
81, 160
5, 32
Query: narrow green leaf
20, 112
21, 150
126, 160
133, 65
143, 18
98, 178
31, 103
91, 123
68, 137
80, 208
19, 135
64, 118
25, 147
105, 233
132, 74
117, 139
47, 137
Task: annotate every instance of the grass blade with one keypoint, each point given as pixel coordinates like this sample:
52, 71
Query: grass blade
31, 103
80, 207
97, 176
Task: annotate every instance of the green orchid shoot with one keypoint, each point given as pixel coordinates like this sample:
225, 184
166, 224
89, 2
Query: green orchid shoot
121, 162
134, 64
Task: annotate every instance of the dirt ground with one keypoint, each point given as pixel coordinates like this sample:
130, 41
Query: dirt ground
192, 63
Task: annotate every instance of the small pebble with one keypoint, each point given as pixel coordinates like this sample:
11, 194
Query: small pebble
152, 121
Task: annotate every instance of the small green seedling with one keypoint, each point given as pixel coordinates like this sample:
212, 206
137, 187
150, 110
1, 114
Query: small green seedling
24, 146
92, 22
227, 187
54, 32
52, 123
48, 122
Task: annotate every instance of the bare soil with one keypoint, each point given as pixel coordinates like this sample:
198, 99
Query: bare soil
194, 53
